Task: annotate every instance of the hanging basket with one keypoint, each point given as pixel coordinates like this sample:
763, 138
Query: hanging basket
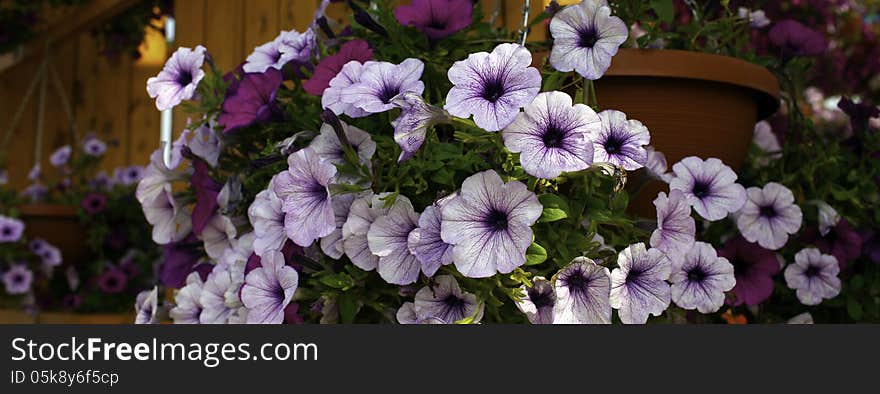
59, 225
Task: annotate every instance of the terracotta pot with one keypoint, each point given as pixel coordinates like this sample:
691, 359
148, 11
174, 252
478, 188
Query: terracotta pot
84, 318
58, 225
694, 104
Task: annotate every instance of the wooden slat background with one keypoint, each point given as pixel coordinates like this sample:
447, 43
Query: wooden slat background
109, 97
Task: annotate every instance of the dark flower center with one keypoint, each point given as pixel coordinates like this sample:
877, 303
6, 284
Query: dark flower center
18, 278
768, 212
95, 203
588, 37
496, 220
540, 299
388, 92
696, 274
701, 189
493, 89
184, 78
133, 173
453, 302
740, 267
577, 282
437, 24
613, 144
111, 282
276, 56
633, 274
7, 231
554, 136
279, 293
812, 271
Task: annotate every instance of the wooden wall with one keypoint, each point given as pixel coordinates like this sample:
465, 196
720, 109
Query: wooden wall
109, 97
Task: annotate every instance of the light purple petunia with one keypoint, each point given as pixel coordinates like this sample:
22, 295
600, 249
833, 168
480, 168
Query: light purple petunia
489, 224
425, 241
361, 215
380, 82
583, 291
179, 78
215, 309
827, 217
766, 141
299, 46
35, 172
268, 289
218, 235
387, 238
328, 146
93, 146
676, 228
267, 218
204, 143
638, 285
620, 141
406, 314
538, 301
709, 186
187, 305
10, 229
445, 302
147, 306
813, 276
769, 216
493, 86
171, 223
50, 255
551, 135
4, 177
411, 127
128, 175
338, 88
17, 279
700, 278
585, 38
35, 192
61, 156
656, 165
268, 55
332, 245
305, 196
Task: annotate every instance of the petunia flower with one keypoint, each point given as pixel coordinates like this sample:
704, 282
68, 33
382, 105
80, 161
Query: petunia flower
551, 135
10, 229
17, 279
620, 141
94, 147
757, 18
147, 306
446, 302
187, 304
794, 39
538, 301
709, 186
129, 175
334, 96
218, 235
813, 276
583, 291
638, 285
328, 146
676, 228
157, 178
215, 309
489, 224
268, 289
50, 256
425, 242
828, 217
803, 318
267, 219
382, 81
330, 66
754, 268
406, 314
700, 278
179, 78
411, 127
93, 203
656, 166
112, 281
493, 86
204, 143
842, 241
436, 18
585, 38
361, 215
178, 261
332, 245
170, 222
769, 216
60, 156
298, 46
766, 141
387, 238
305, 196
267, 56
250, 101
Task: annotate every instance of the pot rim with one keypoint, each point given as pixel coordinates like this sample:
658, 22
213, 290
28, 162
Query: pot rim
47, 210
674, 63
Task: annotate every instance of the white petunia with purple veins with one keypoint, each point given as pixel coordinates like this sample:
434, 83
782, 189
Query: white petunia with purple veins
218, 235
388, 238
813, 276
446, 302
769, 216
187, 304
425, 241
268, 56
700, 279
538, 301
551, 135
179, 78
332, 244
620, 141
585, 38
380, 82
709, 186
638, 285
147, 306
328, 146
583, 291
406, 314
656, 165
489, 224
268, 289
411, 127
61, 156
332, 98
215, 309
493, 86
267, 218
171, 223
676, 228
361, 215
304, 190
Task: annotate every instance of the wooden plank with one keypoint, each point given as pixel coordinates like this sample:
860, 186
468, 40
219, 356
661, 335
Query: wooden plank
339, 12
224, 33
57, 130
262, 23
19, 159
143, 121
297, 14
190, 31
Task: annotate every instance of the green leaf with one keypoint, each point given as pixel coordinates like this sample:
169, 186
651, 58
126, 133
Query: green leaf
470, 319
535, 254
555, 208
339, 280
854, 308
664, 9
349, 306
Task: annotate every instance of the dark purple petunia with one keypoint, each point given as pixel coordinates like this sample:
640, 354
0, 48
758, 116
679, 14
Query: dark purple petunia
859, 113
178, 260
206, 191
250, 100
871, 244
842, 242
112, 281
436, 18
94, 203
753, 268
71, 301
794, 39
331, 65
